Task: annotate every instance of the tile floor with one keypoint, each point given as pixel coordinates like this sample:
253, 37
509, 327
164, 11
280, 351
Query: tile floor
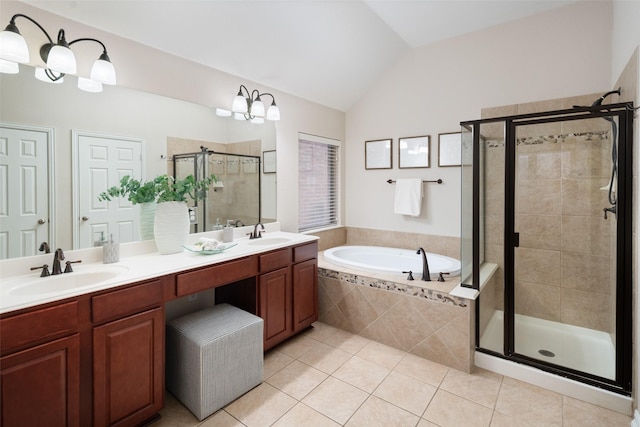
329, 377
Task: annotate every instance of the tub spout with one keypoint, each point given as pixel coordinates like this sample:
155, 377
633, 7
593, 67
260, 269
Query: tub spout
426, 276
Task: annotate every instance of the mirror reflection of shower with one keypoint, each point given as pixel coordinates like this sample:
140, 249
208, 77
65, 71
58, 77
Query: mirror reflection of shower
234, 199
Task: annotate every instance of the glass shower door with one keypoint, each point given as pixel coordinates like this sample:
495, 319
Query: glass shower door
564, 269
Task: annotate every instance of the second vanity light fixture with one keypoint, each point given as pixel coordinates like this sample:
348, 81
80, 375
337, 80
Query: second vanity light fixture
249, 106
58, 57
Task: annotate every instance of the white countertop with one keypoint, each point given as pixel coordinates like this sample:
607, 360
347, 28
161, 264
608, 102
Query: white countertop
138, 261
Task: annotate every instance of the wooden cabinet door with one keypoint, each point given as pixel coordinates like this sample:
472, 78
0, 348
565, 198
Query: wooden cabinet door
275, 306
40, 386
128, 370
305, 294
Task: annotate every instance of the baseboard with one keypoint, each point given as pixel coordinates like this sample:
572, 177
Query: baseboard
635, 422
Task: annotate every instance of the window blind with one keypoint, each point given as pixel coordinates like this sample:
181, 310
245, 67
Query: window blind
317, 183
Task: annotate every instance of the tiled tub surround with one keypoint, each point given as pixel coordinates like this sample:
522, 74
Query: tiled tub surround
414, 316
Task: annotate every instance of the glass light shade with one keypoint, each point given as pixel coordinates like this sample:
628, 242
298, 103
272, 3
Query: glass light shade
9, 67
238, 116
13, 47
42, 76
257, 108
62, 60
257, 120
239, 104
89, 85
222, 112
273, 113
103, 72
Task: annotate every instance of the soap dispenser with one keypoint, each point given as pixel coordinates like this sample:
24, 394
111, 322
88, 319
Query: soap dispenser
227, 232
110, 251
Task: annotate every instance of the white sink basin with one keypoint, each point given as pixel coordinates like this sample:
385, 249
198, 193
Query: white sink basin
267, 241
63, 282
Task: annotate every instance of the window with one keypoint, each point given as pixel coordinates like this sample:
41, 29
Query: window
317, 182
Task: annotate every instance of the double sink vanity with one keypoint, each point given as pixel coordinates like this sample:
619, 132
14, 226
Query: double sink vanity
87, 347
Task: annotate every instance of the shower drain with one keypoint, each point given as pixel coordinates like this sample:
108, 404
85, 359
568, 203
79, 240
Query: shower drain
547, 353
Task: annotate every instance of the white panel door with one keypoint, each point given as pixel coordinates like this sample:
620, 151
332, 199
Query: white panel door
101, 161
24, 189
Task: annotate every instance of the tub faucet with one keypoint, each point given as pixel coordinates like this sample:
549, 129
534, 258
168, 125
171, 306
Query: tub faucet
57, 257
426, 276
256, 233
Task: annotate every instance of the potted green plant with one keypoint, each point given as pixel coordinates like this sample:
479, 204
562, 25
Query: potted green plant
169, 220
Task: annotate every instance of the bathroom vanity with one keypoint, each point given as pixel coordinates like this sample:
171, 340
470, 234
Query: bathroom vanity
97, 357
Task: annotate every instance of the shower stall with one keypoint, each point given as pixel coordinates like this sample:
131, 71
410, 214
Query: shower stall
236, 197
546, 239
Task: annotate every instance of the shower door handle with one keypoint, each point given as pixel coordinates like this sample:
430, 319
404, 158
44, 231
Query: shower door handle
516, 240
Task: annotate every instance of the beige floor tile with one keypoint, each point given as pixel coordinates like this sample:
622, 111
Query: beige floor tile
529, 403
325, 358
220, 419
297, 379
472, 387
336, 399
449, 410
425, 370
320, 331
261, 407
297, 346
577, 413
502, 420
361, 373
381, 354
347, 341
175, 414
378, 413
425, 423
275, 360
302, 415
406, 392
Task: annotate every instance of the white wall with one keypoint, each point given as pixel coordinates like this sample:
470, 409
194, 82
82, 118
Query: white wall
557, 54
140, 67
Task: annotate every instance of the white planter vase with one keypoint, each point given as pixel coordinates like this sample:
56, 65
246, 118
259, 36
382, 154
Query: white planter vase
147, 217
171, 226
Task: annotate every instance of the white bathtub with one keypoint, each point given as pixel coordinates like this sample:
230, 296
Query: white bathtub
378, 259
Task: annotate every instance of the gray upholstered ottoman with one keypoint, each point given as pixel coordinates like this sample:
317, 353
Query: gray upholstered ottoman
213, 357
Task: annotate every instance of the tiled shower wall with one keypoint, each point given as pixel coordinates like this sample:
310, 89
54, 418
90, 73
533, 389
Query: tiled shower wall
563, 262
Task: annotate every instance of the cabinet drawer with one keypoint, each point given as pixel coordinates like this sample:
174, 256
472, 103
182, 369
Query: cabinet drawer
126, 301
305, 252
38, 326
275, 260
218, 275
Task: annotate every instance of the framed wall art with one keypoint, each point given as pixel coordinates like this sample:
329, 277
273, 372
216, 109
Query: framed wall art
450, 149
414, 152
377, 154
269, 161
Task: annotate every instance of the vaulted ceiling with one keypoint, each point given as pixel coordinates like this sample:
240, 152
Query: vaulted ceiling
326, 51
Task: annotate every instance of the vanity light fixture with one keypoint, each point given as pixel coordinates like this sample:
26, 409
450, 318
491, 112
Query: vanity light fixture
249, 106
58, 57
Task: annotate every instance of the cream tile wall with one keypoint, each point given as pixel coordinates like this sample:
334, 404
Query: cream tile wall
563, 262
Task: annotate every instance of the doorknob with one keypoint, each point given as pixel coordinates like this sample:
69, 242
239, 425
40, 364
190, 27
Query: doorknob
41, 221
85, 218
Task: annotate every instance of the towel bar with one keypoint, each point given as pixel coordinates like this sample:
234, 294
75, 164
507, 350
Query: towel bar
437, 181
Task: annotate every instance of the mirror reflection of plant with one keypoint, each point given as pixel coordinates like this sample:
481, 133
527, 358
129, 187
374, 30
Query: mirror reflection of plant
163, 188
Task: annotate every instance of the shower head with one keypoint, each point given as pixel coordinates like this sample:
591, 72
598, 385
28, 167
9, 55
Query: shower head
598, 101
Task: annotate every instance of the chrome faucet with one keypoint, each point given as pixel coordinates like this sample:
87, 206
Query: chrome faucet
57, 257
256, 233
426, 276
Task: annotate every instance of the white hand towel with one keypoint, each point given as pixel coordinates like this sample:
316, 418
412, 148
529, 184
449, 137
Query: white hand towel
408, 200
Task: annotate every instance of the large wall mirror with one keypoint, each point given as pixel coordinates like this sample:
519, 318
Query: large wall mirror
49, 124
